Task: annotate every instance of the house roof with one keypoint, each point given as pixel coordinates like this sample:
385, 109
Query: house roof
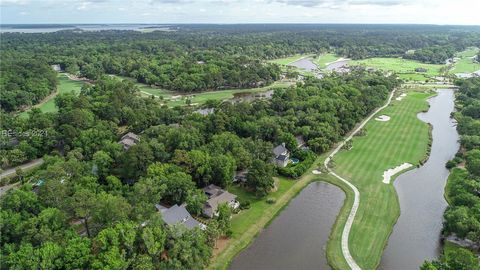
129, 139
131, 136
280, 149
216, 196
205, 111
282, 157
300, 140
178, 215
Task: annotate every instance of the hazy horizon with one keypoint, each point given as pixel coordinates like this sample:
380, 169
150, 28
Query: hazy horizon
440, 12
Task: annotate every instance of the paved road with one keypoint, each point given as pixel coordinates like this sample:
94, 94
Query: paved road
30, 164
356, 202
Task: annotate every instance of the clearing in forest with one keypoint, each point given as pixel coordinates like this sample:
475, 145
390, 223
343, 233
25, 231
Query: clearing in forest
403, 139
65, 85
466, 63
405, 68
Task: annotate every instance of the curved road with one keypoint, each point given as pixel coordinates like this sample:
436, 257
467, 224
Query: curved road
25, 166
348, 224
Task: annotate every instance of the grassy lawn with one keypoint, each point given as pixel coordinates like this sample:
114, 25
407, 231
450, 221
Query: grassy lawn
387, 144
324, 59
65, 85
412, 77
201, 97
399, 65
287, 60
466, 63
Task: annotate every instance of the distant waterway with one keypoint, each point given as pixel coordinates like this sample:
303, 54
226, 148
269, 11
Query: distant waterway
297, 238
416, 236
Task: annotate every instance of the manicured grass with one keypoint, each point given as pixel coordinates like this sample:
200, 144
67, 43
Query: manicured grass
466, 63
398, 65
201, 97
456, 175
287, 60
65, 85
412, 77
324, 59
386, 145
469, 52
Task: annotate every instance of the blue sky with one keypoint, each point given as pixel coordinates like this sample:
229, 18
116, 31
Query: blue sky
241, 11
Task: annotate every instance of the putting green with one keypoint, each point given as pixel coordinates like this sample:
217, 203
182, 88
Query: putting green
386, 145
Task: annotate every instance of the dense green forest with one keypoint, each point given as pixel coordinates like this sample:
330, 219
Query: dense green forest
25, 82
212, 57
462, 217
93, 203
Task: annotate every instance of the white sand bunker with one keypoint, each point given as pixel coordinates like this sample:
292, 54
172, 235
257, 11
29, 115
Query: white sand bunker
383, 118
316, 172
391, 172
401, 97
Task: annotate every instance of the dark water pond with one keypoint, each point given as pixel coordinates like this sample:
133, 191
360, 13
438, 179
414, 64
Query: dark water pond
416, 236
297, 238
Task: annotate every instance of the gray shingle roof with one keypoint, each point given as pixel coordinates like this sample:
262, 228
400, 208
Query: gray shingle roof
178, 215
280, 149
282, 157
216, 196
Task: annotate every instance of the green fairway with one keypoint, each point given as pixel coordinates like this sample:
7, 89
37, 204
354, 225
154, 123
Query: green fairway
386, 145
466, 64
324, 59
173, 99
65, 85
404, 67
287, 60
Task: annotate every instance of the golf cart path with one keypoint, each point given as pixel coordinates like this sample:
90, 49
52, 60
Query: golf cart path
348, 224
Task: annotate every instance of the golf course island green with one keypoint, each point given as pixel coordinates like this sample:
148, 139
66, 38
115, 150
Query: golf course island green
384, 145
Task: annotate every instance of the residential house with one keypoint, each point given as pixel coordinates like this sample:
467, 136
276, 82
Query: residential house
281, 154
56, 67
217, 196
205, 111
128, 140
178, 215
300, 142
240, 176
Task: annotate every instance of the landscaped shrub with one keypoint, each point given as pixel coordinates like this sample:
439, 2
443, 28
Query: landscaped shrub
244, 205
271, 200
306, 157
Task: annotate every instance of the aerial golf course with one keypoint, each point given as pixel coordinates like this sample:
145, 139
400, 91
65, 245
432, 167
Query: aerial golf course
383, 146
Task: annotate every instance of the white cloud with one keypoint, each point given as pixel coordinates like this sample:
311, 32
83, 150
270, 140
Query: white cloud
243, 11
